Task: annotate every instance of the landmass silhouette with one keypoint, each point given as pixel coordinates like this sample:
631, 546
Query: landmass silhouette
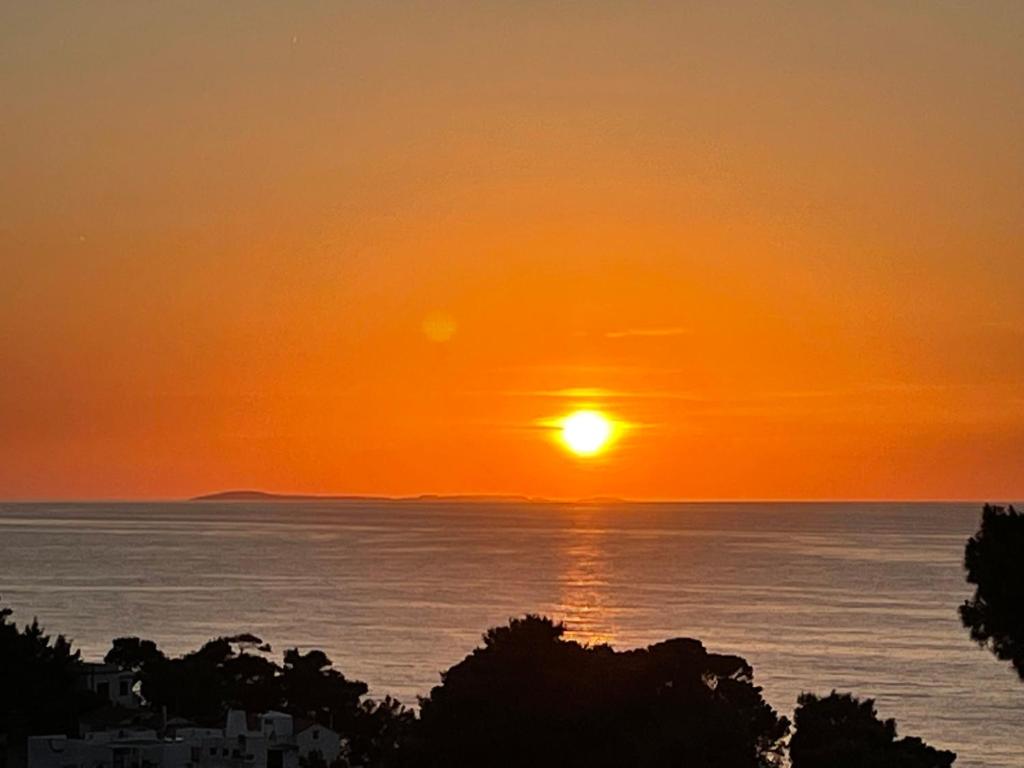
456, 498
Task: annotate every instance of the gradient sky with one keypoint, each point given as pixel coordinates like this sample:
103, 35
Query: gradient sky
362, 247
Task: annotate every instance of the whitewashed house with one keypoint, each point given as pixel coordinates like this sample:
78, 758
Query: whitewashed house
246, 741
270, 740
122, 749
312, 737
114, 684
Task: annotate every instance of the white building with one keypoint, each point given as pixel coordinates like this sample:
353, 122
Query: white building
114, 684
123, 749
270, 740
312, 737
246, 741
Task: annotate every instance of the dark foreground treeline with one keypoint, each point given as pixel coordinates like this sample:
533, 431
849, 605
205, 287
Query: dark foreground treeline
526, 697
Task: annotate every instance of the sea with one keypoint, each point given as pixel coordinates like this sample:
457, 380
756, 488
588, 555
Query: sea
854, 597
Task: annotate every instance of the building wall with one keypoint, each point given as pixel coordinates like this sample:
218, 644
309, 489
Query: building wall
317, 738
115, 684
271, 745
62, 752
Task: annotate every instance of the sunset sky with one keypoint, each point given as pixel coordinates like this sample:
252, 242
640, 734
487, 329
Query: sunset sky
362, 247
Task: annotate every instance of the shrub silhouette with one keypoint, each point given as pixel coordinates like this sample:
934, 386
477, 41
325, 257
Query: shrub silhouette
39, 690
526, 697
203, 684
839, 731
994, 559
312, 688
381, 734
530, 697
225, 674
134, 654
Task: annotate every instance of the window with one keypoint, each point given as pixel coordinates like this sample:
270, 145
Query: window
316, 734
213, 751
124, 688
103, 689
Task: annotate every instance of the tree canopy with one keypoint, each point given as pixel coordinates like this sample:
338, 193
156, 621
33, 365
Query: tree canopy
226, 673
39, 681
531, 697
994, 559
527, 696
839, 731
236, 673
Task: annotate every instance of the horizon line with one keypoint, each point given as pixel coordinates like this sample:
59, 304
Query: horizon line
275, 496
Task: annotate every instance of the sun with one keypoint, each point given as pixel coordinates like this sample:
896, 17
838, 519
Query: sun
586, 433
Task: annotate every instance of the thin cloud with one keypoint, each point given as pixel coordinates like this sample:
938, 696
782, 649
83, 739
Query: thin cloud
600, 394
855, 390
648, 333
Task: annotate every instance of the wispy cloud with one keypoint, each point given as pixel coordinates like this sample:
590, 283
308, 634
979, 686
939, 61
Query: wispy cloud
648, 333
591, 393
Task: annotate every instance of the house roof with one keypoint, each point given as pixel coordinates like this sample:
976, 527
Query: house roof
304, 724
116, 715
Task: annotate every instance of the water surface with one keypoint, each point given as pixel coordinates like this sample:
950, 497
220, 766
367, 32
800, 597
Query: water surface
856, 597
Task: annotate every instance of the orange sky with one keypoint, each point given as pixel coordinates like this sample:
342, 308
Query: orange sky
784, 244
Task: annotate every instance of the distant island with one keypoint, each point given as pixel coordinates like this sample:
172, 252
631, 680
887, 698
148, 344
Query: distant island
249, 495
463, 498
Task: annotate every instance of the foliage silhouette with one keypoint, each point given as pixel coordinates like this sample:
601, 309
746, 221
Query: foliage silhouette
310, 687
994, 559
133, 653
225, 674
203, 684
381, 734
39, 682
527, 697
839, 731
530, 697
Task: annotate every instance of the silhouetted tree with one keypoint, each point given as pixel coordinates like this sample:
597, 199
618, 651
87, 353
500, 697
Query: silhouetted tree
312, 688
133, 653
252, 683
204, 684
530, 697
40, 691
994, 559
380, 734
839, 731
193, 686
225, 674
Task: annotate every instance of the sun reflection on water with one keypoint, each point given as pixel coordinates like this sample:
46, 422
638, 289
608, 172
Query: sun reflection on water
585, 607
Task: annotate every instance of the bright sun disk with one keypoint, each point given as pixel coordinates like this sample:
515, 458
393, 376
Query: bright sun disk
586, 432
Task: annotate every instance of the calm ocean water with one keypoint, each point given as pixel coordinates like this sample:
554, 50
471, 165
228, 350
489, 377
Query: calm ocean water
857, 597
